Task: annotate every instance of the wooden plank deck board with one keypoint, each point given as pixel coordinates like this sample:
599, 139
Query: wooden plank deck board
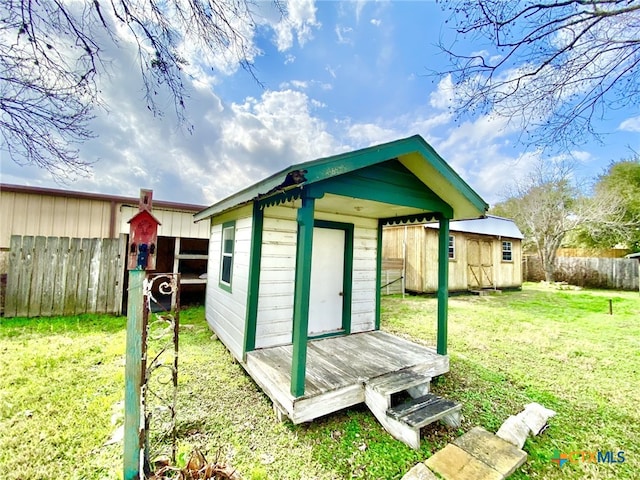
392, 341
406, 353
350, 356
372, 354
337, 368
277, 362
336, 374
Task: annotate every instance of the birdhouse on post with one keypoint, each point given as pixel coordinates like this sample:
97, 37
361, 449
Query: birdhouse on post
143, 235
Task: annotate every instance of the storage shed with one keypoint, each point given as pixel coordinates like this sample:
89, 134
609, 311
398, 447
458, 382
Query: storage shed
483, 253
295, 267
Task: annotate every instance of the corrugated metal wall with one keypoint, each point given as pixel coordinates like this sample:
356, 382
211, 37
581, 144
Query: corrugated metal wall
27, 214
38, 215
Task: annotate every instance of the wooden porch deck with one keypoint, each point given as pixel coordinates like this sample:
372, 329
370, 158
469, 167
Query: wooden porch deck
337, 370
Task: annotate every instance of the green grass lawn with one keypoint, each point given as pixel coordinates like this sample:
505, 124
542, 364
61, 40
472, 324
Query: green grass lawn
61, 387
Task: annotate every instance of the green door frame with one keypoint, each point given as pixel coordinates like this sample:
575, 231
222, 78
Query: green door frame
347, 276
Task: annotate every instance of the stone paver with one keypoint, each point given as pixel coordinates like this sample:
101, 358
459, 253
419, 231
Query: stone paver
454, 463
494, 451
419, 472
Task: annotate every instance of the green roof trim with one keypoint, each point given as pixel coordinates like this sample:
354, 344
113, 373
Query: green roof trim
412, 152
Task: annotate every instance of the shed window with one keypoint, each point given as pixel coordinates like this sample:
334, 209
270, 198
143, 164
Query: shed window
226, 256
507, 252
452, 247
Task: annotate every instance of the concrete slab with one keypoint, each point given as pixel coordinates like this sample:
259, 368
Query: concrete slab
419, 472
494, 451
454, 463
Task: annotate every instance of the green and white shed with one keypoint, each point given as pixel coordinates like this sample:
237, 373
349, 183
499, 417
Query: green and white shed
296, 258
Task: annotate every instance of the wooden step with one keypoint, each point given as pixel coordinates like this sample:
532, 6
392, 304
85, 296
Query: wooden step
424, 410
399, 381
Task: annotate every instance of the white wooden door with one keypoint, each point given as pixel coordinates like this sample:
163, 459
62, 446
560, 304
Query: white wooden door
327, 277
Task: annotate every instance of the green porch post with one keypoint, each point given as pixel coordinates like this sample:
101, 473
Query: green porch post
133, 376
301, 296
255, 261
443, 284
379, 273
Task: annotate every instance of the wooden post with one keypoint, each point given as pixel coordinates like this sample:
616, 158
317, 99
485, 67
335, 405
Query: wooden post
255, 260
443, 284
176, 268
301, 296
133, 376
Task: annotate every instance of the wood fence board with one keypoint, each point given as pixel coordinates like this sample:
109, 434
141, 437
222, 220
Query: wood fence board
71, 281
84, 256
103, 277
115, 276
112, 280
614, 273
94, 277
49, 279
37, 276
61, 276
122, 258
13, 276
24, 283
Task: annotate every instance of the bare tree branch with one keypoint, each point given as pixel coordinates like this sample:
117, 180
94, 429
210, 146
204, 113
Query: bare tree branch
52, 56
555, 67
548, 205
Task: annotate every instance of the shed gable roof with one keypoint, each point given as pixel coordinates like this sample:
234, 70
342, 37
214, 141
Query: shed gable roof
491, 225
414, 153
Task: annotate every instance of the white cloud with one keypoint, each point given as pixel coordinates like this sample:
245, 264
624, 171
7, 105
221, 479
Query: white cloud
442, 97
342, 34
630, 125
359, 5
272, 132
299, 84
365, 134
305, 84
300, 21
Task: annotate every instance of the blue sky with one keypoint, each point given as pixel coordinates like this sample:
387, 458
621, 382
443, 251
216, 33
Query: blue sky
337, 76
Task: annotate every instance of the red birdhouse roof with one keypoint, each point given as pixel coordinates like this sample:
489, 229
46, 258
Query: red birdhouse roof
146, 213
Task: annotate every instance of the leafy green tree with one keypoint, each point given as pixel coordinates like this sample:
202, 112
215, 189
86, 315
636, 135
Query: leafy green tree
619, 183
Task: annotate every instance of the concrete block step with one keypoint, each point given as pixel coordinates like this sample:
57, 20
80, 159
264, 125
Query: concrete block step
426, 409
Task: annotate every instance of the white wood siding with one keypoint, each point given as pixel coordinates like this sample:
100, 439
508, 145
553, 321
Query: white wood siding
277, 277
275, 302
226, 311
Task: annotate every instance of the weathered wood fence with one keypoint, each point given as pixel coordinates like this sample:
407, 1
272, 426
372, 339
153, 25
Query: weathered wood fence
64, 276
613, 273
